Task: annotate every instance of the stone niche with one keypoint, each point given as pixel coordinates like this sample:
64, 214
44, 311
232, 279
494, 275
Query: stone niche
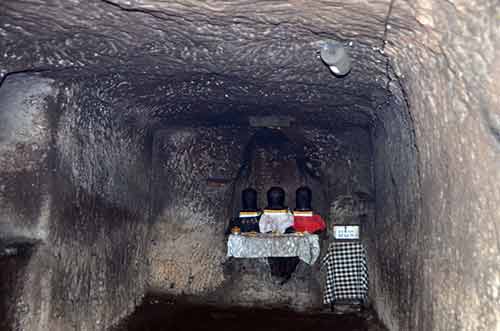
198, 174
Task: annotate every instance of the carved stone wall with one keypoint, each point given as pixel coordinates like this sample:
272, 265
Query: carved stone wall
77, 185
424, 81
188, 253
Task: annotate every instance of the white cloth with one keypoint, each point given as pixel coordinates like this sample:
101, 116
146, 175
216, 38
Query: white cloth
275, 221
306, 247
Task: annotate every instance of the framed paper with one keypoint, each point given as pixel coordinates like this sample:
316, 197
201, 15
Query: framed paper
346, 232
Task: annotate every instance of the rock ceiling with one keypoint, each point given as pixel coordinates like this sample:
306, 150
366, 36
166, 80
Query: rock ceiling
254, 47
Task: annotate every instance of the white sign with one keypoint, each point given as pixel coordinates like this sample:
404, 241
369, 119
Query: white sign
346, 232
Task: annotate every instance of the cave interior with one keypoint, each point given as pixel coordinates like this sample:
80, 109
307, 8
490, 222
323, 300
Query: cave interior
129, 128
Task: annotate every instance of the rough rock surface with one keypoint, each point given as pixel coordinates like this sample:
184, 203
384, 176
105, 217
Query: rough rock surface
82, 198
24, 154
198, 176
76, 141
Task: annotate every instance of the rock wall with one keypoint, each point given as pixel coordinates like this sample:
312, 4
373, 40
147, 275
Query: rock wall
396, 232
435, 262
89, 269
196, 185
188, 246
439, 261
25, 149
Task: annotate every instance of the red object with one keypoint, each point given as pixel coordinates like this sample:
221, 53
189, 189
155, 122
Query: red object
310, 224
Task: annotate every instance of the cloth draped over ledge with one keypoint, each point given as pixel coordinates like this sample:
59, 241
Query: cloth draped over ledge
306, 247
346, 272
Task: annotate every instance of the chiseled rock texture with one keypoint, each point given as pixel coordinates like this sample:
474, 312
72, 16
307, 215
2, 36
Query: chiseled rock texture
78, 188
198, 176
25, 150
90, 89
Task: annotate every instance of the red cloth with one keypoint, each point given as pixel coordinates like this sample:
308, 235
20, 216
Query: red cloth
310, 224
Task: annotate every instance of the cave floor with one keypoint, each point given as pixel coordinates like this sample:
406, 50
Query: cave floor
160, 314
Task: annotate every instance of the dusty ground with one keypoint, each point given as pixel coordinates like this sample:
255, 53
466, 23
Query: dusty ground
162, 314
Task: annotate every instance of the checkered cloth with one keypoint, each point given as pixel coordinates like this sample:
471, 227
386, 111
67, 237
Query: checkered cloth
346, 272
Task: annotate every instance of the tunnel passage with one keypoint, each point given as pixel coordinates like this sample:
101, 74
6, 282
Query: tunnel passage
122, 126
195, 197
